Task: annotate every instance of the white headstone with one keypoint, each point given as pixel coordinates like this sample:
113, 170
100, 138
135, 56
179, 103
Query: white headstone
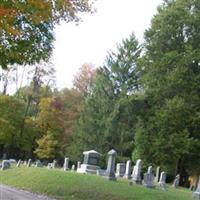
73, 168
150, 170
54, 164
176, 181
136, 175
162, 181
196, 194
49, 165
38, 163
29, 162
5, 164
127, 174
66, 164
18, 163
157, 174
78, 164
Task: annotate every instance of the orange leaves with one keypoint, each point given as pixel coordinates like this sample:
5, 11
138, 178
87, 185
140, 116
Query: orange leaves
7, 12
7, 16
84, 78
27, 27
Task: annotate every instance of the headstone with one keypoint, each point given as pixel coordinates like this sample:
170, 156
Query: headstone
149, 178
162, 181
66, 164
110, 172
38, 163
150, 170
12, 161
49, 165
5, 164
127, 174
136, 175
157, 174
90, 162
54, 164
78, 164
176, 181
101, 172
196, 194
18, 163
25, 163
29, 162
120, 169
73, 168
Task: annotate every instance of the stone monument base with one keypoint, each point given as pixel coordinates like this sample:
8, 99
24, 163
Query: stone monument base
149, 186
196, 195
127, 176
111, 178
85, 168
101, 172
137, 181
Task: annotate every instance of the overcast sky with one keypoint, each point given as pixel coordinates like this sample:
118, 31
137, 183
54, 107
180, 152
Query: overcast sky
90, 41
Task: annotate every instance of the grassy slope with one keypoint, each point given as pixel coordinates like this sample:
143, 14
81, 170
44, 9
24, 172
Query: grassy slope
68, 185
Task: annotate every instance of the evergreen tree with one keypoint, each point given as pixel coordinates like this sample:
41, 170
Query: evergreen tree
169, 132
108, 117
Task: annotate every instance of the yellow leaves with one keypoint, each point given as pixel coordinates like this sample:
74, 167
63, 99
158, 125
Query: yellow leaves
46, 147
41, 11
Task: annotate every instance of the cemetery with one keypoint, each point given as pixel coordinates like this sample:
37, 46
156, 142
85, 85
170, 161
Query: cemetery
99, 100
88, 181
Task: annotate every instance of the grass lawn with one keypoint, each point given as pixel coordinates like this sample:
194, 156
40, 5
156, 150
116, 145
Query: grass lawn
69, 185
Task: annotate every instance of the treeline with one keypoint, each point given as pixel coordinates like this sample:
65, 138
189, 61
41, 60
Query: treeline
144, 102
38, 120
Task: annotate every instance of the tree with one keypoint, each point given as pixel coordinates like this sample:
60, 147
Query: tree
50, 116
42, 77
72, 106
108, 111
46, 147
84, 79
122, 66
10, 121
170, 74
11, 141
91, 127
26, 28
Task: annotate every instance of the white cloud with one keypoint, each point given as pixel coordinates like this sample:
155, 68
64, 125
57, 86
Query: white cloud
98, 33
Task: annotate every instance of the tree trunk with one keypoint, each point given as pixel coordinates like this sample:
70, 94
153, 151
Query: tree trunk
25, 114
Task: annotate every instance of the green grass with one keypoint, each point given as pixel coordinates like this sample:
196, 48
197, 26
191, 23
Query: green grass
68, 185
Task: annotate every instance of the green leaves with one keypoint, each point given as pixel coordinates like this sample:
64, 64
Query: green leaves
170, 73
108, 115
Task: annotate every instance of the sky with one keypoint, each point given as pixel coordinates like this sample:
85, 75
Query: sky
90, 41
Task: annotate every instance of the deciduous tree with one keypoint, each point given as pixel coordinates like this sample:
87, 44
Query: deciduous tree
26, 28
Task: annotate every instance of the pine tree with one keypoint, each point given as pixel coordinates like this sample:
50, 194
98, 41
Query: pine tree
107, 120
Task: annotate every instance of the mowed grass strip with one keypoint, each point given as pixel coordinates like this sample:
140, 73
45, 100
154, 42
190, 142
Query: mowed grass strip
68, 185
